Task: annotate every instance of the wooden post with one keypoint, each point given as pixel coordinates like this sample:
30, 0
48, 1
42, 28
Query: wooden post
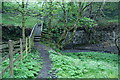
29, 44
21, 49
10, 43
32, 39
26, 46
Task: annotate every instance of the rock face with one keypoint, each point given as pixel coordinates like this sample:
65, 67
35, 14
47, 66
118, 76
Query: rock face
98, 35
80, 37
104, 36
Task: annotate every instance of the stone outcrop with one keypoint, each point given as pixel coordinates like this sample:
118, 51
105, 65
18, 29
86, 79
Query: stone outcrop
101, 38
98, 35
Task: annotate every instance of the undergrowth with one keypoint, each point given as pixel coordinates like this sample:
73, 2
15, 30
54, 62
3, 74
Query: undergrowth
85, 65
29, 68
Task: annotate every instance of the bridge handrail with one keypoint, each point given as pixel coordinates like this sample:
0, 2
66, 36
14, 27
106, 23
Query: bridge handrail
41, 27
33, 30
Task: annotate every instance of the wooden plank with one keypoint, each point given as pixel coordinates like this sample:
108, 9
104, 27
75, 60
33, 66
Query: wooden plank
0, 46
16, 42
0, 51
23, 41
24, 51
3, 42
3, 46
4, 58
25, 56
17, 59
11, 53
5, 50
1, 73
26, 45
11, 58
17, 50
33, 30
29, 44
21, 49
16, 46
9, 65
22, 58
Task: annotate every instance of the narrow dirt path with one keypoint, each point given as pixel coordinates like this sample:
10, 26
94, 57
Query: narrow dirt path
46, 60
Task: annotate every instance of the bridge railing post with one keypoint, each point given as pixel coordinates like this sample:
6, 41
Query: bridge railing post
29, 44
21, 49
26, 45
10, 43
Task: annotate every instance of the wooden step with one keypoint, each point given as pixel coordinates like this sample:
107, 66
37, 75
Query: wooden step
37, 37
36, 40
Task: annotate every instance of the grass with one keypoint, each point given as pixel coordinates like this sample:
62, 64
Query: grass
28, 69
85, 65
17, 20
107, 22
113, 21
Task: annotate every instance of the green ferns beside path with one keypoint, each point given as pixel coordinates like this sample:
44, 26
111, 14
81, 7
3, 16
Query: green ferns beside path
85, 65
28, 69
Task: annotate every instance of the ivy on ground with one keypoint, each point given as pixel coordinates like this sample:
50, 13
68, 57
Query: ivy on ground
85, 65
29, 68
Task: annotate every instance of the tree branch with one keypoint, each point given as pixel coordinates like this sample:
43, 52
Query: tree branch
18, 3
87, 5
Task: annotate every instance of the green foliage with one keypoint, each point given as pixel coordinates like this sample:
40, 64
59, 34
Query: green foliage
55, 9
87, 22
113, 21
85, 65
29, 68
60, 19
107, 22
52, 52
96, 56
63, 18
16, 20
110, 9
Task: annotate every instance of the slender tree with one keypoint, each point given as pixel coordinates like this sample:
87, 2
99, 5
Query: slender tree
23, 20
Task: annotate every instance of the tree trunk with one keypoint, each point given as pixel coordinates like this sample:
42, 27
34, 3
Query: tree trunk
63, 36
65, 33
2, 6
117, 44
23, 21
49, 22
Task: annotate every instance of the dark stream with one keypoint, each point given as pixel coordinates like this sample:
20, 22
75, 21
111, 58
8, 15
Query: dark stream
91, 48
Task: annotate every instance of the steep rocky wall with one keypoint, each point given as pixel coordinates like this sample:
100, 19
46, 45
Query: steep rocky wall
99, 35
101, 39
